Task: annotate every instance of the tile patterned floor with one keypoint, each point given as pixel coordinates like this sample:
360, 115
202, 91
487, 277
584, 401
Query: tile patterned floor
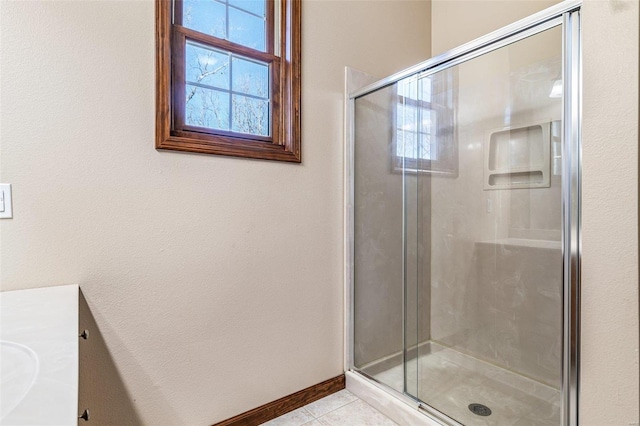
339, 409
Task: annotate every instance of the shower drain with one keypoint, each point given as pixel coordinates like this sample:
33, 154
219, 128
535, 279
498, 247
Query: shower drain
480, 410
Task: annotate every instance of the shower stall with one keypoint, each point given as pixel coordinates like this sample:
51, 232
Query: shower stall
463, 237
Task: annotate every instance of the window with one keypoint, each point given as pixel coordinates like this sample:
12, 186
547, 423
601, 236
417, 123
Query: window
228, 77
424, 137
414, 118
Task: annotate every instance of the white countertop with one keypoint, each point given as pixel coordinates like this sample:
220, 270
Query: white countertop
39, 356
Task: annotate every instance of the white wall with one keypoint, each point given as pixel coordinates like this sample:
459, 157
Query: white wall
216, 282
455, 22
609, 375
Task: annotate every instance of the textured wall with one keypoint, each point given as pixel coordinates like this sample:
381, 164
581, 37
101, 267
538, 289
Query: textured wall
455, 22
216, 283
609, 375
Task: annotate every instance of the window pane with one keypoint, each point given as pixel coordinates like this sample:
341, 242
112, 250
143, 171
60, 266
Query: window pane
207, 66
406, 144
425, 147
207, 108
246, 29
414, 145
407, 117
250, 77
427, 118
419, 90
250, 115
425, 89
205, 16
256, 7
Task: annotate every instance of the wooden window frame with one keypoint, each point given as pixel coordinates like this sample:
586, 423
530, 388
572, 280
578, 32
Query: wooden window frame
283, 144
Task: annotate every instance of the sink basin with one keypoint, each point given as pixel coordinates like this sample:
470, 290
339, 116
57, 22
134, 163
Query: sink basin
19, 367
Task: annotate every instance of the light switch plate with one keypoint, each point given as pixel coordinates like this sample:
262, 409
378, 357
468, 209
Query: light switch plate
5, 201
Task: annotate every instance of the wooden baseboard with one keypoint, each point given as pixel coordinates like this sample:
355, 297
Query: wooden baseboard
288, 403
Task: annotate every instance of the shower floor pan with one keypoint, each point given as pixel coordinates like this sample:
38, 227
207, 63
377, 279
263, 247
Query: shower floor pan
451, 381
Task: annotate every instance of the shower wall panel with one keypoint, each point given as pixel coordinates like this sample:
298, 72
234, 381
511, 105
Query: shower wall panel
378, 264
496, 265
417, 279
518, 328
379, 268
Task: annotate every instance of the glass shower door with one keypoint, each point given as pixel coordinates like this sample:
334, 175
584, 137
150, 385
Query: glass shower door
464, 228
389, 306
483, 209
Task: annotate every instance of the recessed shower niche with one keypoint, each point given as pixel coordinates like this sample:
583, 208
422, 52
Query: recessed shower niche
518, 157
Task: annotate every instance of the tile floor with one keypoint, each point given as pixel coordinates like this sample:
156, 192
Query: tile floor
339, 409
